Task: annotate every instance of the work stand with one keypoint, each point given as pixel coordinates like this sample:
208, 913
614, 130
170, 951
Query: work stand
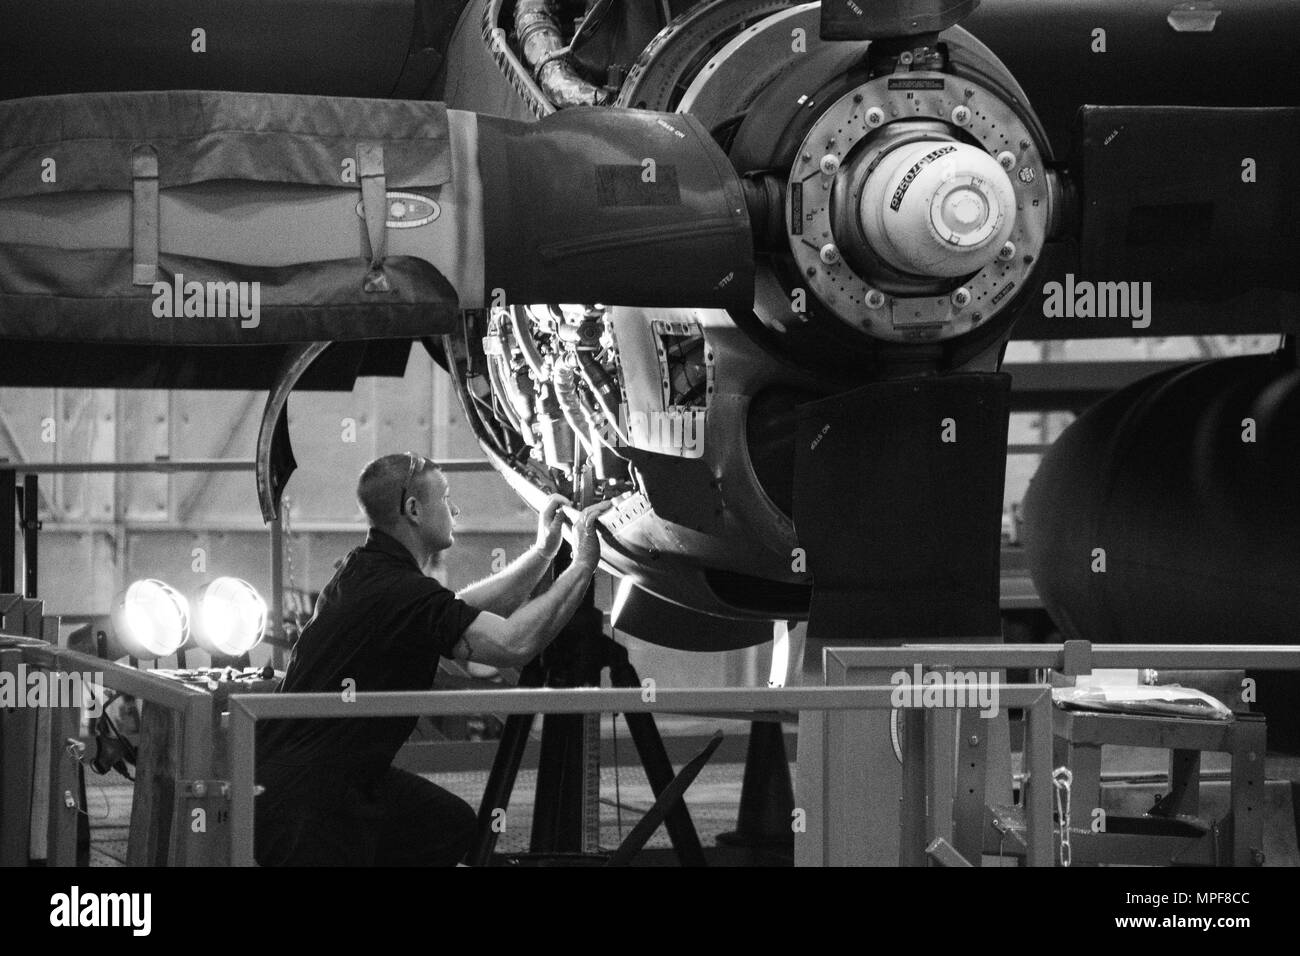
897, 501
565, 798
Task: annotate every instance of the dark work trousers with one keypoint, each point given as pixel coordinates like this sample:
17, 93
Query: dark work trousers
311, 817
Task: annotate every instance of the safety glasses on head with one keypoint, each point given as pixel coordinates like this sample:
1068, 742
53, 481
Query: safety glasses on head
416, 465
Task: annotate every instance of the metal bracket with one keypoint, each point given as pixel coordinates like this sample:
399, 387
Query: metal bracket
943, 853
1076, 658
1009, 822
202, 839
204, 789
1193, 17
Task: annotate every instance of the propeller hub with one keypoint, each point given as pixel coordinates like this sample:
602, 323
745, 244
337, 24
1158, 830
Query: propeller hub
937, 208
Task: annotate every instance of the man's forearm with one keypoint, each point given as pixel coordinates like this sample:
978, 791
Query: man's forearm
538, 622
505, 592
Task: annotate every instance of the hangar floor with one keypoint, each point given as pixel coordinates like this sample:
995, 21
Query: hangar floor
624, 797
1132, 777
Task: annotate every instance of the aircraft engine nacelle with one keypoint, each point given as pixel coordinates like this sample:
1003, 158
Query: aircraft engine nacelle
914, 185
900, 191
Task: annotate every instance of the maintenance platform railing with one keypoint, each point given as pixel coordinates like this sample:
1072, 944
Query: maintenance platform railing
856, 675
160, 834
1034, 699
984, 763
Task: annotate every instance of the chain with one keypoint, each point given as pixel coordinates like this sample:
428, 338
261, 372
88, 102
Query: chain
1061, 780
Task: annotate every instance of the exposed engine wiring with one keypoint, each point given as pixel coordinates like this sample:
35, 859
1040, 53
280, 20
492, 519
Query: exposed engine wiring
556, 396
538, 33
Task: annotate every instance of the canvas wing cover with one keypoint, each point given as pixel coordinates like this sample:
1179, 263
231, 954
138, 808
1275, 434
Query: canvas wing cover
184, 218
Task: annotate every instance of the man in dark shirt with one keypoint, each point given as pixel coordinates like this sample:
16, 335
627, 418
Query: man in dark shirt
331, 795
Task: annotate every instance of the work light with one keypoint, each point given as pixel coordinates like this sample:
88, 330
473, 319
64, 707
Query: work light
152, 619
229, 617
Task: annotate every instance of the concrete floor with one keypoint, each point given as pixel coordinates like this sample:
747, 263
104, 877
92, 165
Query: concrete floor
625, 796
1133, 777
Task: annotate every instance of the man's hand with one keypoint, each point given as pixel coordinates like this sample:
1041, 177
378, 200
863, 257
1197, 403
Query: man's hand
586, 544
550, 527
514, 640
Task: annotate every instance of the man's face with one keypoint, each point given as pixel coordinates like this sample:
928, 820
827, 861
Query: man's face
435, 514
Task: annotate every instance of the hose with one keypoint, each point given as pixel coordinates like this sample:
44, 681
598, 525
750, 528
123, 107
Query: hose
494, 38
499, 388
544, 50
524, 335
566, 393
603, 387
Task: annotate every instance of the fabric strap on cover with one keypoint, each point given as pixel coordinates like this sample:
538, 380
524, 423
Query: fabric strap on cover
374, 204
144, 214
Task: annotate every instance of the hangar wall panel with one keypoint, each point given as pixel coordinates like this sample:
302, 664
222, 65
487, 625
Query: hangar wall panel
102, 531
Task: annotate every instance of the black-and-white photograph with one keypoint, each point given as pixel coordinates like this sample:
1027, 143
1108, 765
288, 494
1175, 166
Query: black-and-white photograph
650, 433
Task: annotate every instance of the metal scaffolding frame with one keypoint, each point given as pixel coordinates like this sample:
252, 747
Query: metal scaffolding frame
1036, 699
193, 764
978, 767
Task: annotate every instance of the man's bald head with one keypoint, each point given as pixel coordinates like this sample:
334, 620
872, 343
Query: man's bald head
379, 490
